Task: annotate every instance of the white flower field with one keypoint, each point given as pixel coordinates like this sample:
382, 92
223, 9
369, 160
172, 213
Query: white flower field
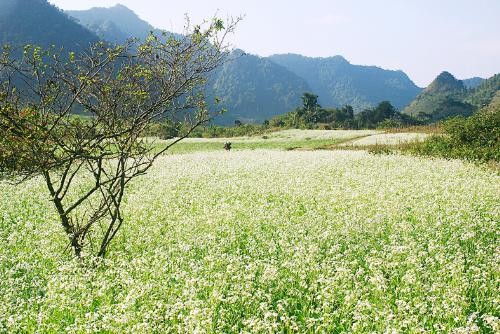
267, 241
387, 139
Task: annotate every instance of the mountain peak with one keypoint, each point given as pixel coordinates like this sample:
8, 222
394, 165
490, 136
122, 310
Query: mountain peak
123, 9
443, 98
39, 22
473, 82
339, 59
120, 6
445, 82
445, 77
123, 18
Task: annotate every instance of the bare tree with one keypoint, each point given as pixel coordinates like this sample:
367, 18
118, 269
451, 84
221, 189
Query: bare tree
79, 119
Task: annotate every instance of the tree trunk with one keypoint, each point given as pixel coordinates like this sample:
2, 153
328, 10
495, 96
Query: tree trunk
65, 220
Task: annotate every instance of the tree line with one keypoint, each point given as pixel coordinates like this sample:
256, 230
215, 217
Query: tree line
310, 115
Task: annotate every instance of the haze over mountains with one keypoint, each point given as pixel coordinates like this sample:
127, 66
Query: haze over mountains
252, 88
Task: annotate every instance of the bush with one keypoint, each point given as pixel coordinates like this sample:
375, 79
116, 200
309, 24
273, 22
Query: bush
475, 138
164, 130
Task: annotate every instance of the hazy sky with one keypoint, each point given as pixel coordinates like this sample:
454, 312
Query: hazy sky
420, 37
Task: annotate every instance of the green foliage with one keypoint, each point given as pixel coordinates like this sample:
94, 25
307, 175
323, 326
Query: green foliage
475, 138
166, 129
391, 123
310, 110
371, 117
339, 117
16, 149
312, 116
310, 102
384, 115
485, 92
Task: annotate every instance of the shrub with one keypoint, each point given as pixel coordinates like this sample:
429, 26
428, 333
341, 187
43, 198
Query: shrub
475, 138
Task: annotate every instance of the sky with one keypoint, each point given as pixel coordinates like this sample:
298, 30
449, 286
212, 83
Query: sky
420, 37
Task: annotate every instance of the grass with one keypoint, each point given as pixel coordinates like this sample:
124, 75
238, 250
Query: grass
280, 140
204, 146
267, 241
389, 139
429, 129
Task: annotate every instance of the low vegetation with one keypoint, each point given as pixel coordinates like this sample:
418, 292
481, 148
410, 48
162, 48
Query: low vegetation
125, 209
291, 139
265, 242
475, 138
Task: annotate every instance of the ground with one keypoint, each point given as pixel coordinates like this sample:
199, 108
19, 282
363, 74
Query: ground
266, 241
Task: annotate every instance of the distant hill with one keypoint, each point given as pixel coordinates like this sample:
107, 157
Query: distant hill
484, 93
473, 82
115, 24
444, 97
251, 88
254, 89
38, 22
337, 82
494, 105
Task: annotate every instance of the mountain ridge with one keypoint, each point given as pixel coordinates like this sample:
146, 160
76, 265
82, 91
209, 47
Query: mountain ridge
473, 82
115, 24
338, 82
38, 22
252, 88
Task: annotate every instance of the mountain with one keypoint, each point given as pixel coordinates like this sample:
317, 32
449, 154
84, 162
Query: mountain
115, 24
484, 93
445, 82
472, 82
494, 105
251, 88
254, 89
38, 22
444, 97
337, 82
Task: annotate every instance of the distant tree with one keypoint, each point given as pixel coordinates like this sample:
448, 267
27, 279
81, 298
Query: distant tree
384, 110
238, 123
369, 118
88, 162
310, 108
338, 117
348, 112
310, 101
